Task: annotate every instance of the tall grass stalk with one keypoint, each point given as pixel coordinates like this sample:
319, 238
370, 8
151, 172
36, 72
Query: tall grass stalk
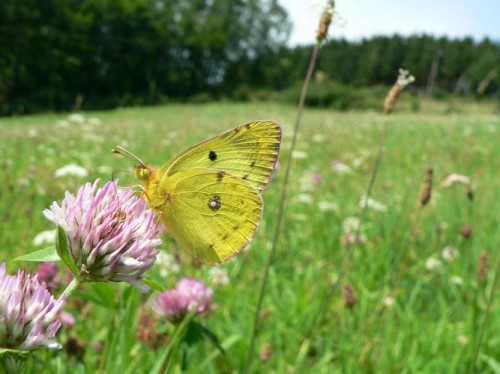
281, 209
324, 24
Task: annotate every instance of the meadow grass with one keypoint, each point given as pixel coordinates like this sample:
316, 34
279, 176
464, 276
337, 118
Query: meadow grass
407, 317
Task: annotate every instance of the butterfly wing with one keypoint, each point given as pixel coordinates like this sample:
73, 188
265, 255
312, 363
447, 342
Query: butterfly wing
212, 214
249, 152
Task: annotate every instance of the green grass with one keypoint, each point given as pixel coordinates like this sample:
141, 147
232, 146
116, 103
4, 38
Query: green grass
433, 325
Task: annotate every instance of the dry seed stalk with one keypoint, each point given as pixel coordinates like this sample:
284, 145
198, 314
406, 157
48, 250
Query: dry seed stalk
404, 79
482, 266
265, 352
426, 192
349, 296
325, 21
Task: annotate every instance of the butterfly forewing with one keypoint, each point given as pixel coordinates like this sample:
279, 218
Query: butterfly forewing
211, 214
249, 152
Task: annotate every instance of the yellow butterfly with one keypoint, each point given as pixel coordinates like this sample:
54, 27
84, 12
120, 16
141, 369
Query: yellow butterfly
209, 196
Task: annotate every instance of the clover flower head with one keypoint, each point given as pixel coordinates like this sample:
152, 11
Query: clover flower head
29, 315
187, 295
110, 233
450, 253
218, 276
433, 263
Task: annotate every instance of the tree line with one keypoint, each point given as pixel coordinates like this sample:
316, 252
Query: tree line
92, 54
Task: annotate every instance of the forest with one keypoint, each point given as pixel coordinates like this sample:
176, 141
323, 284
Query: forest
61, 55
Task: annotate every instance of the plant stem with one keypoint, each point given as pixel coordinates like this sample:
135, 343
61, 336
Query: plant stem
71, 287
279, 219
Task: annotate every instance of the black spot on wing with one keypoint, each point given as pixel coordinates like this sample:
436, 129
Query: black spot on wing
212, 156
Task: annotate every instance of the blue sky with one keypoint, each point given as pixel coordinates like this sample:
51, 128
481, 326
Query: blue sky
363, 18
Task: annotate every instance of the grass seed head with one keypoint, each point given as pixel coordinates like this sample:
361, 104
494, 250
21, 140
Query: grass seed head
147, 333
349, 296
265, 352
466, 231
404, 79
482, 266
325, 21
426, 191
75, 347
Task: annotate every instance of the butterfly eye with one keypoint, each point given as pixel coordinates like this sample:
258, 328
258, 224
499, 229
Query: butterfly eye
143, 174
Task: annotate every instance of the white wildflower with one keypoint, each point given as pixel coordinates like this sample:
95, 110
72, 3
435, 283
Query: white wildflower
71, 170
433, 263
351, 224
327, 206
305, 198
76, 118
389, 301
166, 263
341, 168
218, 276
449, 253
457, 280
373, 204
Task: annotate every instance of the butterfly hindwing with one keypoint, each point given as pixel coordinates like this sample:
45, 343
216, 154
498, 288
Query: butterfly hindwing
212, 214
249, 152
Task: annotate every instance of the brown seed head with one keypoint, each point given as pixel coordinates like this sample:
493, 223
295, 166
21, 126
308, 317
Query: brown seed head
482, 266
325, 21
426, 191
265, 352
75, 347
147, 333
404, 79
466, 231
349, 295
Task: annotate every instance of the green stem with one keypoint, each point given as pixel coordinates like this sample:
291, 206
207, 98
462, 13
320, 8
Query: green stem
71, 287
279, 219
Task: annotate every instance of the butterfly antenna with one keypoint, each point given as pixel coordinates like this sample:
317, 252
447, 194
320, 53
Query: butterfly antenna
126, 153
113, 174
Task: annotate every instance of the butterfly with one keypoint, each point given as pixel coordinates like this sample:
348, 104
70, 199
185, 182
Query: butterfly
209, 195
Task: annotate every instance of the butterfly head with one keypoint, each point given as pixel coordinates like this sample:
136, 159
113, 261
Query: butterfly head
142, 173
